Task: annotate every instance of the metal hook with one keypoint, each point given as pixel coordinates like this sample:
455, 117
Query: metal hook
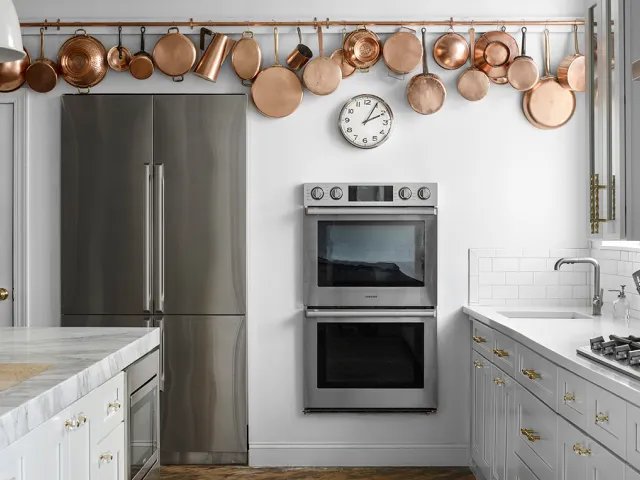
191, 23
315, 23
327, 24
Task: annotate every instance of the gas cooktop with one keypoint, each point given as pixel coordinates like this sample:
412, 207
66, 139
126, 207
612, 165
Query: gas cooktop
618, 353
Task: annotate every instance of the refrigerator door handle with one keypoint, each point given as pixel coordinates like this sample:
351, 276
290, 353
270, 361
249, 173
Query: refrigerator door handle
159, 179
160, 324
146, 302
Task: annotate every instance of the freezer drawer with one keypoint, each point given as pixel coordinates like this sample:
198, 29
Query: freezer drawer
203, 406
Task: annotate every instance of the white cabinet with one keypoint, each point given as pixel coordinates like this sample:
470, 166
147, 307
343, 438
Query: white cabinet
504, 407
482, 413
109, 461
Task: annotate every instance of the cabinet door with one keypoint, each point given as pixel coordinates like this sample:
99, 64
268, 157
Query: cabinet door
632, 474
572, 445
481, 413
11, 463
109, 463
45, 451
504, 408
603, 464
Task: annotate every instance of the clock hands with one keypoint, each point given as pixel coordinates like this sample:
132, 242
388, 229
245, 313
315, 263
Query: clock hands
370, 113
370, 119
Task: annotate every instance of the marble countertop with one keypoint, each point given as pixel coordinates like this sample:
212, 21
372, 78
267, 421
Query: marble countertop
81, 360
558, 340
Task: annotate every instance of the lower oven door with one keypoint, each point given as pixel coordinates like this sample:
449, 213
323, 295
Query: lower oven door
375, 360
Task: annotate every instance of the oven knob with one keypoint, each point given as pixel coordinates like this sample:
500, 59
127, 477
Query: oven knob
405, 193
336, 193
317, 193
424, 193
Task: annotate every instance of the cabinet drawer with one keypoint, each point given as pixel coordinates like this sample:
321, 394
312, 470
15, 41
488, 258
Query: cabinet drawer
11, 461
633, 435
522, 472
110, 405
504, 353
572, 398
482, 338
538, 375
607, 419
108, 462
536, 426
632, 474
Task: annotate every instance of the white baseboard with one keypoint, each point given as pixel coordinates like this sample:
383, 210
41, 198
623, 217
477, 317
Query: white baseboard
357, 455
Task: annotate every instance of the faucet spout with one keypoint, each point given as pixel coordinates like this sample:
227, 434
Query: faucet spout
597, 291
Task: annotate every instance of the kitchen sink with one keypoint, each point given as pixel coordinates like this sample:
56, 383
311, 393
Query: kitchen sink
539, 314
11, 374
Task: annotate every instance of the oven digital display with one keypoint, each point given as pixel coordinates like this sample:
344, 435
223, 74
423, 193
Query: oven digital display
371, 193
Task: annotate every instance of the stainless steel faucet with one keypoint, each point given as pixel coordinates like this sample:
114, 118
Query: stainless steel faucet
597, 291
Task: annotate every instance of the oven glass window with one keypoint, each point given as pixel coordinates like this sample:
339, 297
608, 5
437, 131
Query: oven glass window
142, 428
371, 254
371, 355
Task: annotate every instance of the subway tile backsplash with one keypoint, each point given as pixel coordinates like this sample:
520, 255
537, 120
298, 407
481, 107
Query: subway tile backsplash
525, 277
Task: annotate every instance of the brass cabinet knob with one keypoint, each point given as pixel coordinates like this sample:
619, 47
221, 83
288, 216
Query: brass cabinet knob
569, 397
581, 450
498, 381
4, 294
114, 406
479, 339
106, 457
531, 374
72, 423
500, 353
530, 434
601, 418
478, 364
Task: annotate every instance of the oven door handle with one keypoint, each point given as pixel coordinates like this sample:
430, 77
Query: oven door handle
369, 313
371, 211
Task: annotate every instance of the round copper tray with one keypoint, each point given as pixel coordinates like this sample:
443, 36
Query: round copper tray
494, 52
83, 61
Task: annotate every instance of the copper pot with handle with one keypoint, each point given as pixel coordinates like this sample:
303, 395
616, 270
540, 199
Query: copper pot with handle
362, 48
338, 57
174, 54
215, 55
402, 51
141, 64
426, 92
300, 55
42, 75
246, 58
322, 75
572, 70
119, 56
83, 61
451, 50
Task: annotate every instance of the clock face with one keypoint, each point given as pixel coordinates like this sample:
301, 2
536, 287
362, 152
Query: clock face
366, 121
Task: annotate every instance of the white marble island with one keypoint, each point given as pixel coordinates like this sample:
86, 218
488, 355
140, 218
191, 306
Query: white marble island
79, 364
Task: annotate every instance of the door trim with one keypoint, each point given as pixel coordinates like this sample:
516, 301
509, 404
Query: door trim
20, 102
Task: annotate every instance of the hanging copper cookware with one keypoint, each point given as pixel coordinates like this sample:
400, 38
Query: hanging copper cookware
362, 48
276, 91
338, 57
572, 70
209, 65
42, 75
547, 105
83, 60
321, 76
451, 50
473, 84
119, 57
523, 73
494, 53
14, 74
246, 58
426, 93
174, 54
141, 65
300, 55
402, 52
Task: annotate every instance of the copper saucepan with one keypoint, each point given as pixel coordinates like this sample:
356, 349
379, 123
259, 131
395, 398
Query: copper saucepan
14, 74
322, 75
141, 65
473, 84
572, 70
42, 75
523, 73
426, 92
83, 61
300, 55
174, 54
119, 57
451, 50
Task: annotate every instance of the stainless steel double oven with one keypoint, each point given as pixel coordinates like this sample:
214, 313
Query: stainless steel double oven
370, 294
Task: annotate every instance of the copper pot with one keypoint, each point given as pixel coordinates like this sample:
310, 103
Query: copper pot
473, 84
42, 75
174, 54
119, 57
141, 65
322, 75
215, 55
523, 73
402, 52
362, 48
426, 92
82, 60
300, 55
451, 50
14, 74
572, 71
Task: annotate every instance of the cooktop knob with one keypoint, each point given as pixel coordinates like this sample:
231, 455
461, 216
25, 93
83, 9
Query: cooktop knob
404, 193
424, 193
317, 193
336, 193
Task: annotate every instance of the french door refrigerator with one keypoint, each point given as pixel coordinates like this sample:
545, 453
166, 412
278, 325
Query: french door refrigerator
154, 232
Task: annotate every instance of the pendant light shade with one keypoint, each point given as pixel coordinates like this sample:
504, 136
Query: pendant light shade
11, 48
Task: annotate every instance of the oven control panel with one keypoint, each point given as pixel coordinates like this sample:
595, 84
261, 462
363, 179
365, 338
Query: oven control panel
370, 195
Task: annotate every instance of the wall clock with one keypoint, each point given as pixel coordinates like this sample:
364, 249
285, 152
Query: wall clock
366, 121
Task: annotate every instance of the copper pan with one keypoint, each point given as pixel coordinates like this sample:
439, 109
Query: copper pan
362, 48
494, 53
83, 61
572, 70
174, 54
451, 50
246, 58
119, 57
300, 55
473, 84
141, 65
402, 52
338, 57
14, 74
547, 105
523, 73
425, 92
322, 76
276, 91
42, 75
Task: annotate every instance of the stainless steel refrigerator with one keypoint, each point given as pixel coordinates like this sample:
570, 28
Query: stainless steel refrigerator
154, 232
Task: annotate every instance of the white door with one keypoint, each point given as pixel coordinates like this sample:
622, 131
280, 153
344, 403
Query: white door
6, 214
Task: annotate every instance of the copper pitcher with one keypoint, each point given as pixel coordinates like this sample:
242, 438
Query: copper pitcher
209, 65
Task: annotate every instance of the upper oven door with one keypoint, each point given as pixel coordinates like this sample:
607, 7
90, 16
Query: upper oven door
370, 257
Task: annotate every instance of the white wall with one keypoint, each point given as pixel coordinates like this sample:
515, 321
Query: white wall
502, 183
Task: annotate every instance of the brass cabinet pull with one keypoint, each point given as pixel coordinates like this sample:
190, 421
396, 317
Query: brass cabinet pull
479, 339
601, 418
594, 193
106, 457
569, 397
72, 424
531, 374
114, 406
500, 353
530, 434
581, 450
82, 419
498, 381
478, 364
4, 294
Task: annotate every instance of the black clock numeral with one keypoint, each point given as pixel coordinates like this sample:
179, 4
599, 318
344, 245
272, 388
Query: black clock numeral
347, 120
349, 130
382, 113
375, 138
350, 110
385, 122
357, 104
381, 132
367, 102
355, 137
364, 140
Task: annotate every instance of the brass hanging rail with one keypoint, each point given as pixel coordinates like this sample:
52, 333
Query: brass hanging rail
325, 23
